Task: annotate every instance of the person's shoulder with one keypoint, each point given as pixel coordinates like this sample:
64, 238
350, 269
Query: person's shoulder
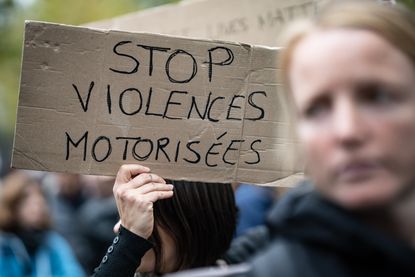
282, 257
8, 238
244, 247
240, 270
6, 235
54, 239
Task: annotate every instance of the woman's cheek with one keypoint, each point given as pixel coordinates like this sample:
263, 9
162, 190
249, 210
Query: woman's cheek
148, 262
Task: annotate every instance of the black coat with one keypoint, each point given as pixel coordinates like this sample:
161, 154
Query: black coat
309, 236
123, 256
313, 237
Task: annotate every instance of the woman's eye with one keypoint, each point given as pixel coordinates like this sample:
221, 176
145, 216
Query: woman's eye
377, 95
317, 108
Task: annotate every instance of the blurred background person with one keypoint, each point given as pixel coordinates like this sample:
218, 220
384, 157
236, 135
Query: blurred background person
66, 194
253, 204
84, 213
96, 219
28, 245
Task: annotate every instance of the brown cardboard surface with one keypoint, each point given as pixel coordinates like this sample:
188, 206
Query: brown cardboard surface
250, 21
92, 100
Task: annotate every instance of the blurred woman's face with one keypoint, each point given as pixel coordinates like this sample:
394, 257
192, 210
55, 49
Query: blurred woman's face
355, 95
33, 209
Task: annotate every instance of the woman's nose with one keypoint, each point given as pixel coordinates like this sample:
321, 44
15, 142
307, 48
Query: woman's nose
348, 123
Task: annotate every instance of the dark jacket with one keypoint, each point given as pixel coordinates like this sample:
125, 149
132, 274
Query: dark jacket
310, 236
123, 256
314, 237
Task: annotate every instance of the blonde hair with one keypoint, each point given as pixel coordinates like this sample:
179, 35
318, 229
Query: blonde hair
394, 23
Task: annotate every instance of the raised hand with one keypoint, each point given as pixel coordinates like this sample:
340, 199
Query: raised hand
135, 191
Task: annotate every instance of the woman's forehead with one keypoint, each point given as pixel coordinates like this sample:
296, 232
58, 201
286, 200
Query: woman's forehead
345, 54
327, 44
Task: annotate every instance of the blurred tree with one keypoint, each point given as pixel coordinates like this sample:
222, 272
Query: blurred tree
12, 16
5, 6
409, 3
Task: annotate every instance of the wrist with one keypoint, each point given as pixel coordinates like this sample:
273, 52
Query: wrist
131, 232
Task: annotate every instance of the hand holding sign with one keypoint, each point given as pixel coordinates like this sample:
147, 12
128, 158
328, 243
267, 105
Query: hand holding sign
135, 191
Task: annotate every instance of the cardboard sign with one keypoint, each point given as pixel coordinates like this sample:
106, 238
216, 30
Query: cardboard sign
254, 22
92, 100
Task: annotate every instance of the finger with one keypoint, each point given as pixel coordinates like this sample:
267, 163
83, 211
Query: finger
149, 187
157, 195
128, 171
145, 178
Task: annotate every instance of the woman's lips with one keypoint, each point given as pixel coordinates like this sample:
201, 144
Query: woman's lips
356, 171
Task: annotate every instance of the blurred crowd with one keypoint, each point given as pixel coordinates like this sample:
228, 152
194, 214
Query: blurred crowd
59, 224
54, 224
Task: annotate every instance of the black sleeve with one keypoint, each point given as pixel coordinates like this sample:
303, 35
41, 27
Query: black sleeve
123, 256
